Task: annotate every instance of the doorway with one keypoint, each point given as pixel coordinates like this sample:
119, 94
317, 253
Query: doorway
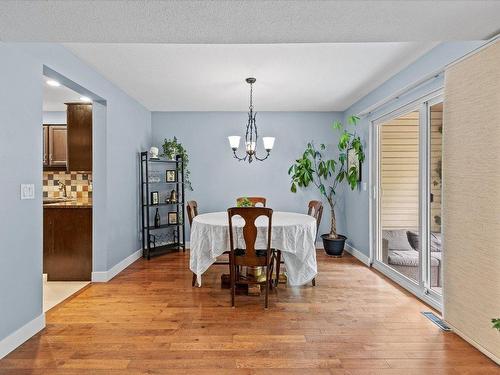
407, 214
67, 188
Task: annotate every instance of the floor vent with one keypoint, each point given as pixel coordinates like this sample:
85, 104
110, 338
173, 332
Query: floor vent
436, 320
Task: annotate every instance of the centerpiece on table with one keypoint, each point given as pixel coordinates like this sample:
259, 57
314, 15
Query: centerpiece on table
328, 174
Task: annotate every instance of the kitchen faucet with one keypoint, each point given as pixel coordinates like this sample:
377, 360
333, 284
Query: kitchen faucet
62, 187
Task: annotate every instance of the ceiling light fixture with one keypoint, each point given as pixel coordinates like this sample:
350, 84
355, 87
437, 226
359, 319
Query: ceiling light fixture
53, 83
251, 135
85, 99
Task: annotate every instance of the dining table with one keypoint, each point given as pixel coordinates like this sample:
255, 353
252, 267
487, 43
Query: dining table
292, 233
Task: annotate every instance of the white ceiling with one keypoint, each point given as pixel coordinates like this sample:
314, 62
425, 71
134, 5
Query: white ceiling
55, 97
271, 21
290, 77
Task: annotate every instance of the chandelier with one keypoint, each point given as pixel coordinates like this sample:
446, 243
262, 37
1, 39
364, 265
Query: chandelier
251, 135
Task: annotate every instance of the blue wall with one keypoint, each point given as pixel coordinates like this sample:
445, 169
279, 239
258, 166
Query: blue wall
357, 202
54, 117
125, 131
218, 179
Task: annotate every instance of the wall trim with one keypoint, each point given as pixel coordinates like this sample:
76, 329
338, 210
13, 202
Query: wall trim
105, 276
362, 257
18, 337
351, 250
476, 345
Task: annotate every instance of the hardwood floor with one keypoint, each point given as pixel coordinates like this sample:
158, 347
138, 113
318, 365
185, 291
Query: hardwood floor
150, 320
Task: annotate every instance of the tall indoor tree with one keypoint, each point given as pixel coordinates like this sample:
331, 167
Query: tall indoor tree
328, 174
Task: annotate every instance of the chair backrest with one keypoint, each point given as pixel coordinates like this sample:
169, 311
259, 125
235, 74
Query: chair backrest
192, 211
249, 257
316, 211
253, 200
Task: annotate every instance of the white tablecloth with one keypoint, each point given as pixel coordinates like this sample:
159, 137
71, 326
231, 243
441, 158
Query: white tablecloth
292, 233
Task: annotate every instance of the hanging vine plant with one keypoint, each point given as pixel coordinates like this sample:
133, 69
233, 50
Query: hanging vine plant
172, 148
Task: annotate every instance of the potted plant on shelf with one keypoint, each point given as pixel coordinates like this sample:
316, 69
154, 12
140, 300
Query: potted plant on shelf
172, 148
327, 175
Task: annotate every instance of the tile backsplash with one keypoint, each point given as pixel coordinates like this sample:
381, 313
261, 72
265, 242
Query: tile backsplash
78, 185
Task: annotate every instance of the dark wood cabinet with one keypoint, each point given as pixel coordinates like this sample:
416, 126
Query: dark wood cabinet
58, 149
55, 148
79, 123
45, 151
67, 243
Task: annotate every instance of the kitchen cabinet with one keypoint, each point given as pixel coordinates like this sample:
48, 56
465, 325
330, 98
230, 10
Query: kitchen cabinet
45, 155
79, 123
67, 243
58, 145
55, 147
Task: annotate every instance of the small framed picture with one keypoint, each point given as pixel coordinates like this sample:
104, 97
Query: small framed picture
155, 197
171, 175
353, 161
172, 217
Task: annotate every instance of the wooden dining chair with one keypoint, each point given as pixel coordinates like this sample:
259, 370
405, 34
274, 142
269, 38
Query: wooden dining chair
315, 209
192, 211
250, 256
253, 200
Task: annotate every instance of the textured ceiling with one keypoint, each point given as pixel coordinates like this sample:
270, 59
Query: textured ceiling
290, 77
247, 21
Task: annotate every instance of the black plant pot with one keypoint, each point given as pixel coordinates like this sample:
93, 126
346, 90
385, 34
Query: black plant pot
334, 246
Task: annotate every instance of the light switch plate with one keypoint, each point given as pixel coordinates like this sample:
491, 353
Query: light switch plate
364, 186
27, 191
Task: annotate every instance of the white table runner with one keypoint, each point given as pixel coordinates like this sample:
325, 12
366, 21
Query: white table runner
292, 233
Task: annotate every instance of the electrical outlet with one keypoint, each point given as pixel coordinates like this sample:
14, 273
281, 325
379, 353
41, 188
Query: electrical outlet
27, 191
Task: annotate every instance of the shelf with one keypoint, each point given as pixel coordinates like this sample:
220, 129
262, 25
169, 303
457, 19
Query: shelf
164, 248
160, 185
162, 182
163, 161
165, 226
163, 204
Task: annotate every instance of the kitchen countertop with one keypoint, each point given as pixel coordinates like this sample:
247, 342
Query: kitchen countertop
77, 203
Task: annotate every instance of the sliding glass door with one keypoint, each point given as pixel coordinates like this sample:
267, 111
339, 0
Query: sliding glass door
399, 211
407, 202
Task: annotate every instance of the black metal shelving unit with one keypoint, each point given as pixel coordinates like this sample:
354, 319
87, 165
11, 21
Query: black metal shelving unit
165, 238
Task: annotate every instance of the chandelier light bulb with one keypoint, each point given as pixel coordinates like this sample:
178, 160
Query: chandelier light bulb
268, 143
250, 147
234, 141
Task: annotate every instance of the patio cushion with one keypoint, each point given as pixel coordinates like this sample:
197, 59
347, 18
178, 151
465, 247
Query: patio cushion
414, 241
409, 258
397, 240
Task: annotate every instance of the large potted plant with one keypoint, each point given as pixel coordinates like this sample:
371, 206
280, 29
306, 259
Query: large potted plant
328, 174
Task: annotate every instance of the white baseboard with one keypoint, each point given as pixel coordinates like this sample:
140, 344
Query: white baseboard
15, 339
358, 254
478, 346
105, 276
351, 250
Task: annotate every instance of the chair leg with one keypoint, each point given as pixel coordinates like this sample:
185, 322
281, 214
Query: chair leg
314, 282
233, 286
278, 263
193, 282
268, 281
269, 277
